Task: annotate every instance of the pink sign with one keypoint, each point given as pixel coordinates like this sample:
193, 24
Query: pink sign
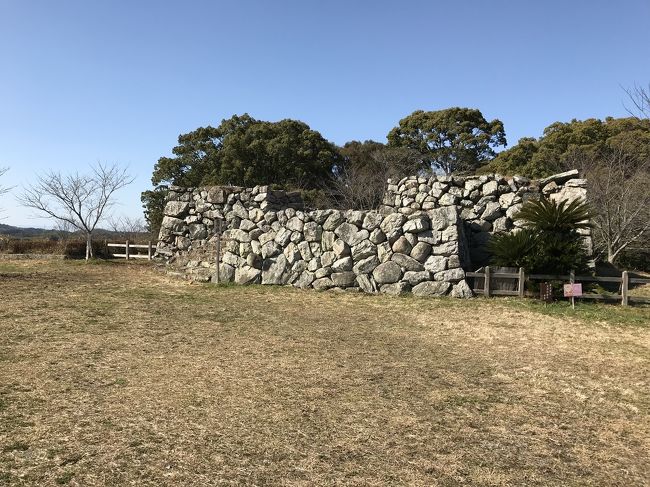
571, 290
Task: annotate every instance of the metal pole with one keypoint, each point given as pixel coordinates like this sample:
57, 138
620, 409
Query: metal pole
217, 232
572, 280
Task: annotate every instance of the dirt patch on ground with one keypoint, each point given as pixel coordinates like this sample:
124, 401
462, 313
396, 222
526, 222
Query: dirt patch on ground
115, 374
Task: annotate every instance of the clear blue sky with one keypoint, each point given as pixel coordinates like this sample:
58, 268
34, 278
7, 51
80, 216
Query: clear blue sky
118, 81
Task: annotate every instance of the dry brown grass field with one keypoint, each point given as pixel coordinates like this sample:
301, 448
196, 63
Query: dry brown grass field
115, 374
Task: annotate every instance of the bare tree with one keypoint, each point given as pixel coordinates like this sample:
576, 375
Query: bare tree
639, 97
3, 189
363, 186
128, 227
79, 200
618, 185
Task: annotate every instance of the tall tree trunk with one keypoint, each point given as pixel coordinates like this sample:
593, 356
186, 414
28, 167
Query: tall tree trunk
89, 246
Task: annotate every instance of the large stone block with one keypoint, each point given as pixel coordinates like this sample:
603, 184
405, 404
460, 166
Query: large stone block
387, 273
431, 288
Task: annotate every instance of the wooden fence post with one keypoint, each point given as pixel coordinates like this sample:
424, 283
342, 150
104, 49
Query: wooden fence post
522, 282
625, 284
486, 285
150, 253
127, 250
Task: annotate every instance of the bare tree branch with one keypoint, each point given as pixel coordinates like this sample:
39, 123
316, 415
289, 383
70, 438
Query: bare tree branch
3, 189
639, 97
618, 186
77, 200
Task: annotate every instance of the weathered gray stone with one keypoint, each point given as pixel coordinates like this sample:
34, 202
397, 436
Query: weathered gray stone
340, 248
431, 288
255, 215
198, 231
238, 235
416, 224
367, 283
461, 290
355, 217
328, 258
305, 280
274, 270
395, 289
343, 279
347, 232
305, 250
333, 221
327, 241
247, 225
387, 273
314, 264
384, 252
283, 237
239, 211
344, 264
372, 221
441, 218
366, 265
550, 188
247, 275
322, 272
226, 273
416, 277
176, 208
270, 249
402, 245
492, 211
362, 250
490, 188
216, 195
292, 253
559, 178
319, 216
448, 199
377, 236
421, 251
392, 225
171, 225
407, 262
295, 224
450, 275
445, 249
322, 284
254, 260
435, 263
312, 232
183, 243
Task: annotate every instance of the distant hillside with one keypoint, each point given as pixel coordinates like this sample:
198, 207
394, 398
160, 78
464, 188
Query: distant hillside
22, 232
29, 232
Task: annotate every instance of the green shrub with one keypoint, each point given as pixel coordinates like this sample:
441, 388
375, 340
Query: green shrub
549, 241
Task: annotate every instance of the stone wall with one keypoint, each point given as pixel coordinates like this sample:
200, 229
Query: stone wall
486, 204
269, 239
422, 240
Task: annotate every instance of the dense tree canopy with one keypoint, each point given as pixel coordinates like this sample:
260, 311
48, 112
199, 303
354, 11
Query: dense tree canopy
452, 140
564, 144
244, 151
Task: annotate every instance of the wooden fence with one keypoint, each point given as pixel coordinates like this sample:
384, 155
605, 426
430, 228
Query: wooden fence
521, 278
127, 246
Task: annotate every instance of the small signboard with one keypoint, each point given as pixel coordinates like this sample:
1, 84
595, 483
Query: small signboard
572, 290
546, 292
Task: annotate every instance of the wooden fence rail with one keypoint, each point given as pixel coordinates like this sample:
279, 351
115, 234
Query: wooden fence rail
521, 277
127, 252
